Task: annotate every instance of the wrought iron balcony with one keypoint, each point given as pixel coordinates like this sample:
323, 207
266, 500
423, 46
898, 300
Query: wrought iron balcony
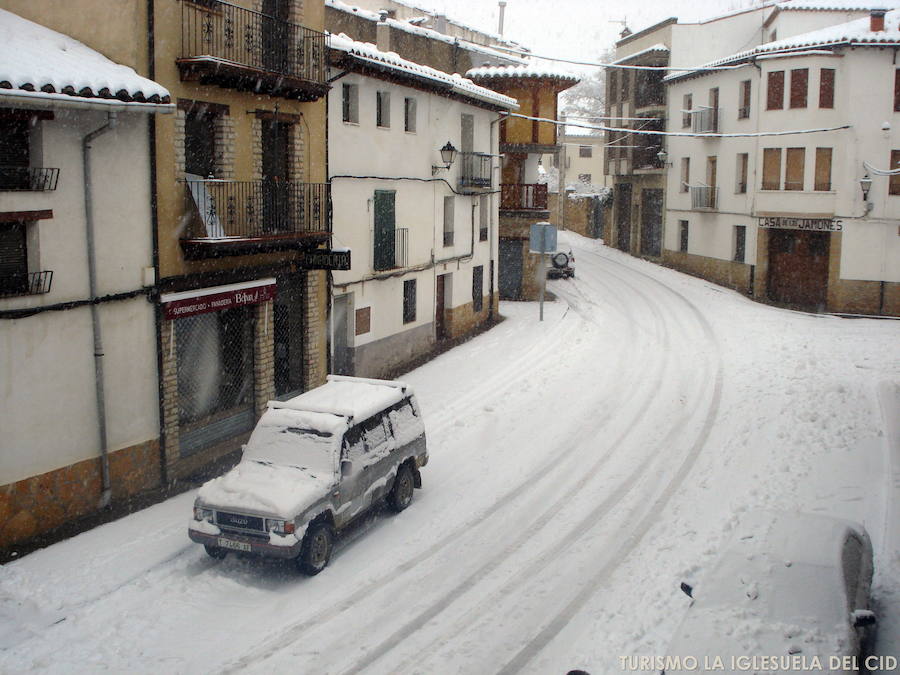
239, 217
28, 179
238, 48
523, 197
475, 170
35, 283
388, 254
704, 197
705, 120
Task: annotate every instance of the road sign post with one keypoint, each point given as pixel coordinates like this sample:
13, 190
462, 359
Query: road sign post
541, 240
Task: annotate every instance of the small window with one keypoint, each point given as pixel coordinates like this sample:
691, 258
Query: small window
350, 103
826, 89
585, 178
409, 301
799, 87
448, 220
585, 151
744, 100
683, 236
685, 112
740, 243
793, 176
741, 173
771, 179
409, 114
375, 435
613, 89
13, 259
383, 109
894, 181
478, 288
484, 218
775, 91
823, 169
685, 173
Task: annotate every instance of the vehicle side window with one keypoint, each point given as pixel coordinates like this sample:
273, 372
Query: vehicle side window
376, 435
404, 422
851, 564
354, 445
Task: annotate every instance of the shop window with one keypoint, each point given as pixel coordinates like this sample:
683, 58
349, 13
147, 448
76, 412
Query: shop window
478, 288
799, 87
409, 301
383, 109
771, 179
350, 103
826, 88
823, 169
793, 177
683, 234
775, 90
289, 333
740, 243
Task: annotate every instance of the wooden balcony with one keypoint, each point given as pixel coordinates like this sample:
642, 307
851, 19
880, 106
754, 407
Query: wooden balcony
237, 48
523, 197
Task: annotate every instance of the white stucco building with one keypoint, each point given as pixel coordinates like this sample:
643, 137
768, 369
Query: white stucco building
78, 402
784, 217
423, 235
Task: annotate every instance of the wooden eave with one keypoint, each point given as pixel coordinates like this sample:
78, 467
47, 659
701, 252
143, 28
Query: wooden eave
203, 248
232, 75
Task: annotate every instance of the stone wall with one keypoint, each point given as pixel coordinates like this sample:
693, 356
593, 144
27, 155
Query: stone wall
723, 272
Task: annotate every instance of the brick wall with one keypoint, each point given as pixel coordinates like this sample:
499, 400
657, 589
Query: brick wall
315, 340
170, 393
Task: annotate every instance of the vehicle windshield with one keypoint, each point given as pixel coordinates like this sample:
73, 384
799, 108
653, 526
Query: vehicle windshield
285, 444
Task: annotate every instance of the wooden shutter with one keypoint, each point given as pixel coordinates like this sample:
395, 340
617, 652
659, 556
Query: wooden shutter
775, 91
894, 183
897, 90
793, 179
13, 258
799, 87
823, 169
771, 169
826, 88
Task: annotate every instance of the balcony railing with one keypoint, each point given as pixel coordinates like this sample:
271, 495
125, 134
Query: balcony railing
231, 46
35, 283
704, 197
475, 170
705, 120
28, 179
389, 254
258, 209
525, 197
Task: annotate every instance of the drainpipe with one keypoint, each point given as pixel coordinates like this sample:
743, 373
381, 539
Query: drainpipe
112, 122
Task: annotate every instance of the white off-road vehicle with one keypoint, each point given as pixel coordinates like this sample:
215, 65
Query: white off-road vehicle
313, 464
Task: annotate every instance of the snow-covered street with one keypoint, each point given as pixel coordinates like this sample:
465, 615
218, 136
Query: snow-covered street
581, 467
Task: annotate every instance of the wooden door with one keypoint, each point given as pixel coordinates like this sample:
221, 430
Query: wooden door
798, 268
275, 163
440, 307
385, 228
510, 260
623, 216
651, 222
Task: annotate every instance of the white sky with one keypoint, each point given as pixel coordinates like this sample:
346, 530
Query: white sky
574, 28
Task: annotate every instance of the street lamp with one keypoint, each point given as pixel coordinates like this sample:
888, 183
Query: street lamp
448, 154
865, 183
662, 156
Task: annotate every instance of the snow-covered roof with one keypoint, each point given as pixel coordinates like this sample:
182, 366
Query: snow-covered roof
852, 33
423, 31
36, 62
351, 397
657, 48
836, 5
366, 51
530, 69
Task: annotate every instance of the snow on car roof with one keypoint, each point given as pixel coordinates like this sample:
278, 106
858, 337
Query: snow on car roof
35, 59
353, 398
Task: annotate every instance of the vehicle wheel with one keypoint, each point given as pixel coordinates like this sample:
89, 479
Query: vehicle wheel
215, 551
401, 493
316, 549
560, 260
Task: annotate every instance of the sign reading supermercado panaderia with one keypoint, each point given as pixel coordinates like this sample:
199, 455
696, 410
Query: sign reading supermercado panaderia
216, 298
792, 223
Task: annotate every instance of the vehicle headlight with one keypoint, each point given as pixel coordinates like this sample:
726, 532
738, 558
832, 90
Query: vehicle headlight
202, 513
279, 526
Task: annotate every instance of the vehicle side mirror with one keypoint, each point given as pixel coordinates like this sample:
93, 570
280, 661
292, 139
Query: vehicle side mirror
346, 467
862, 618
687, 589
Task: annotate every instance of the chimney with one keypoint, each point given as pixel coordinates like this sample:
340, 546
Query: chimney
502, 4
876, 20
383, 32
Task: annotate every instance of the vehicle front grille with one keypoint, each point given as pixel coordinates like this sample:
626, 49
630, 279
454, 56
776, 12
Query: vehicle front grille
238, 521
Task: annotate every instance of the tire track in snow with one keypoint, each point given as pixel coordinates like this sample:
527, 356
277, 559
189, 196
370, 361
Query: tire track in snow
532, 482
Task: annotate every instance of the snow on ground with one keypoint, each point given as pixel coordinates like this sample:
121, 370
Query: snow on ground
580, 468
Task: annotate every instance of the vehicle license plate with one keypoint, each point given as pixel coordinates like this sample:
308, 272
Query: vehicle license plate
235, 545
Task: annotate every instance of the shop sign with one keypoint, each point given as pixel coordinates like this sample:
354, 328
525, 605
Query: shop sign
190, 303
323, 259
811, 224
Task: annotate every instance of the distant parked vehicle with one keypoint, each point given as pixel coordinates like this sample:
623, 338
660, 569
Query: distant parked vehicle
562, 266
313, 464
790, 587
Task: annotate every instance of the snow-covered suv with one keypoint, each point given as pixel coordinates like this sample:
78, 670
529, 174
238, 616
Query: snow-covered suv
312, 464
